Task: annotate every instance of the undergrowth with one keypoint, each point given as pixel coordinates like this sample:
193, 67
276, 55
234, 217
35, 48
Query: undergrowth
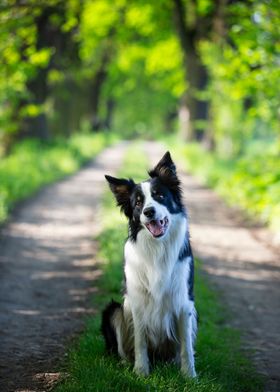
32, 164
251, 181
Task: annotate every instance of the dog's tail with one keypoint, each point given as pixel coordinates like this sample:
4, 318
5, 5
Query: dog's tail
107, 326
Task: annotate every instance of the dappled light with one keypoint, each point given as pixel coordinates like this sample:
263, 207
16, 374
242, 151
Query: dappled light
47, 261
98, 87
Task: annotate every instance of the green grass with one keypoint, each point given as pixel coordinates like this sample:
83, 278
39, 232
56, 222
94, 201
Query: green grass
251, 182
221, 364
32, 164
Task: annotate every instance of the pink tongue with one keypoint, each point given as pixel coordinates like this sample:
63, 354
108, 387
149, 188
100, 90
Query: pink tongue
155, 228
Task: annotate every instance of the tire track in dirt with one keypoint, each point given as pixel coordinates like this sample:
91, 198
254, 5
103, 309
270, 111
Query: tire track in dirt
47, 272
244, 269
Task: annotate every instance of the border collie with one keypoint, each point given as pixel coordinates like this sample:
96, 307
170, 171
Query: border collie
157, 319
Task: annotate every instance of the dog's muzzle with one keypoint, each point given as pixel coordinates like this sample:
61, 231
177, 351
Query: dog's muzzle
157, 227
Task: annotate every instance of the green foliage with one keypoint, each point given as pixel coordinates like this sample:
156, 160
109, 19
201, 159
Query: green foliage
120, 65
146, 63
32, 164
220, 363
144, 76
244, 75
251, 181
133, 50
17, 51
30, 46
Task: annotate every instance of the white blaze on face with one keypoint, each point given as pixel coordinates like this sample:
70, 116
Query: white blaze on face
157, 225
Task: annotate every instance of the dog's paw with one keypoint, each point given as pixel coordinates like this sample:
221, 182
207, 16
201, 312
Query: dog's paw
141, 369
124, 361
176, 360
188, 371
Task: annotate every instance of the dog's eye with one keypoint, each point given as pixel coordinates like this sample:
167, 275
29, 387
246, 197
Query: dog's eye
138, 203
158, 194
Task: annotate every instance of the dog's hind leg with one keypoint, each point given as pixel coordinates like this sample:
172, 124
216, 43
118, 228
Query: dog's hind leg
119, 324
111, 327
187, 332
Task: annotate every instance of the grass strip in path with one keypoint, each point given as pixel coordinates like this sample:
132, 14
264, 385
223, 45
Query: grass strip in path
221, 364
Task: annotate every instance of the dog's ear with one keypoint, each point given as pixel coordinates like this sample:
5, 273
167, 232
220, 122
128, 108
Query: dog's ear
122, 189
166, 171
164, 165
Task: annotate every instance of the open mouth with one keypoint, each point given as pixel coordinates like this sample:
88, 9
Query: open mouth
157, 227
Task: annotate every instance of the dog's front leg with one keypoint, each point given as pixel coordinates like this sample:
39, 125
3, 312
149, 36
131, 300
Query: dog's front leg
141, 365
186, 343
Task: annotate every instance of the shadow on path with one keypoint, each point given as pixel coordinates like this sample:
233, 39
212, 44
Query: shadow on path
47, 272
244, 269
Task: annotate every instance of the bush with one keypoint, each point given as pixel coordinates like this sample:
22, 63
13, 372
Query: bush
33, 164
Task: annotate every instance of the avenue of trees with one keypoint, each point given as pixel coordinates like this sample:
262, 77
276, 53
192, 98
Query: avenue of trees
208, 68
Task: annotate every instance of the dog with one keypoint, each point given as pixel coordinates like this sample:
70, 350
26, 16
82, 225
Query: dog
157, 320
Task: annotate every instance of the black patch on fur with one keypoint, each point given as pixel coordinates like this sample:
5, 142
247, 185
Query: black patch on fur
167, 196
108, 329
186, 251
191, 279
165, 162
122, 189
134, 228
165, 171
137, 200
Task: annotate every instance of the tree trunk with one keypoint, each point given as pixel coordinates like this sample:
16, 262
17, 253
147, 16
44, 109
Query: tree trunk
38, 126
169, 119
193, 113
110, 105
49, 35
95, 93
197, 83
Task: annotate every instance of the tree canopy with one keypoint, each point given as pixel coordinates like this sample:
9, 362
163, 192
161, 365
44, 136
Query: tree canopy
207, 67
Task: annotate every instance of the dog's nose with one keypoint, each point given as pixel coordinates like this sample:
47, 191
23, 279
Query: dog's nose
149, 212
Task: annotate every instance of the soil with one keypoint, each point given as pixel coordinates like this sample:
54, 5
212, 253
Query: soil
244, 269
47, 270
242, 261
47, 273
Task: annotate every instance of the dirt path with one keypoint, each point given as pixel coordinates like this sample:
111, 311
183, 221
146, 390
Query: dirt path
246, 271
244, 268
47, 274
47, 271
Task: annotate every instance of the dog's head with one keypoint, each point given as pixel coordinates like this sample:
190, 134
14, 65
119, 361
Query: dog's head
150, 204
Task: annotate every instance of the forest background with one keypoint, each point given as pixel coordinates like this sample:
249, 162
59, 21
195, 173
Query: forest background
205, 72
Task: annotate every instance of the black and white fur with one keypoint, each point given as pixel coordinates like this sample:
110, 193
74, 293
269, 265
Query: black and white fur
157, 319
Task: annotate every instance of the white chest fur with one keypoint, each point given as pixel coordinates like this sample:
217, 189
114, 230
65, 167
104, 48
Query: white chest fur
157, 283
